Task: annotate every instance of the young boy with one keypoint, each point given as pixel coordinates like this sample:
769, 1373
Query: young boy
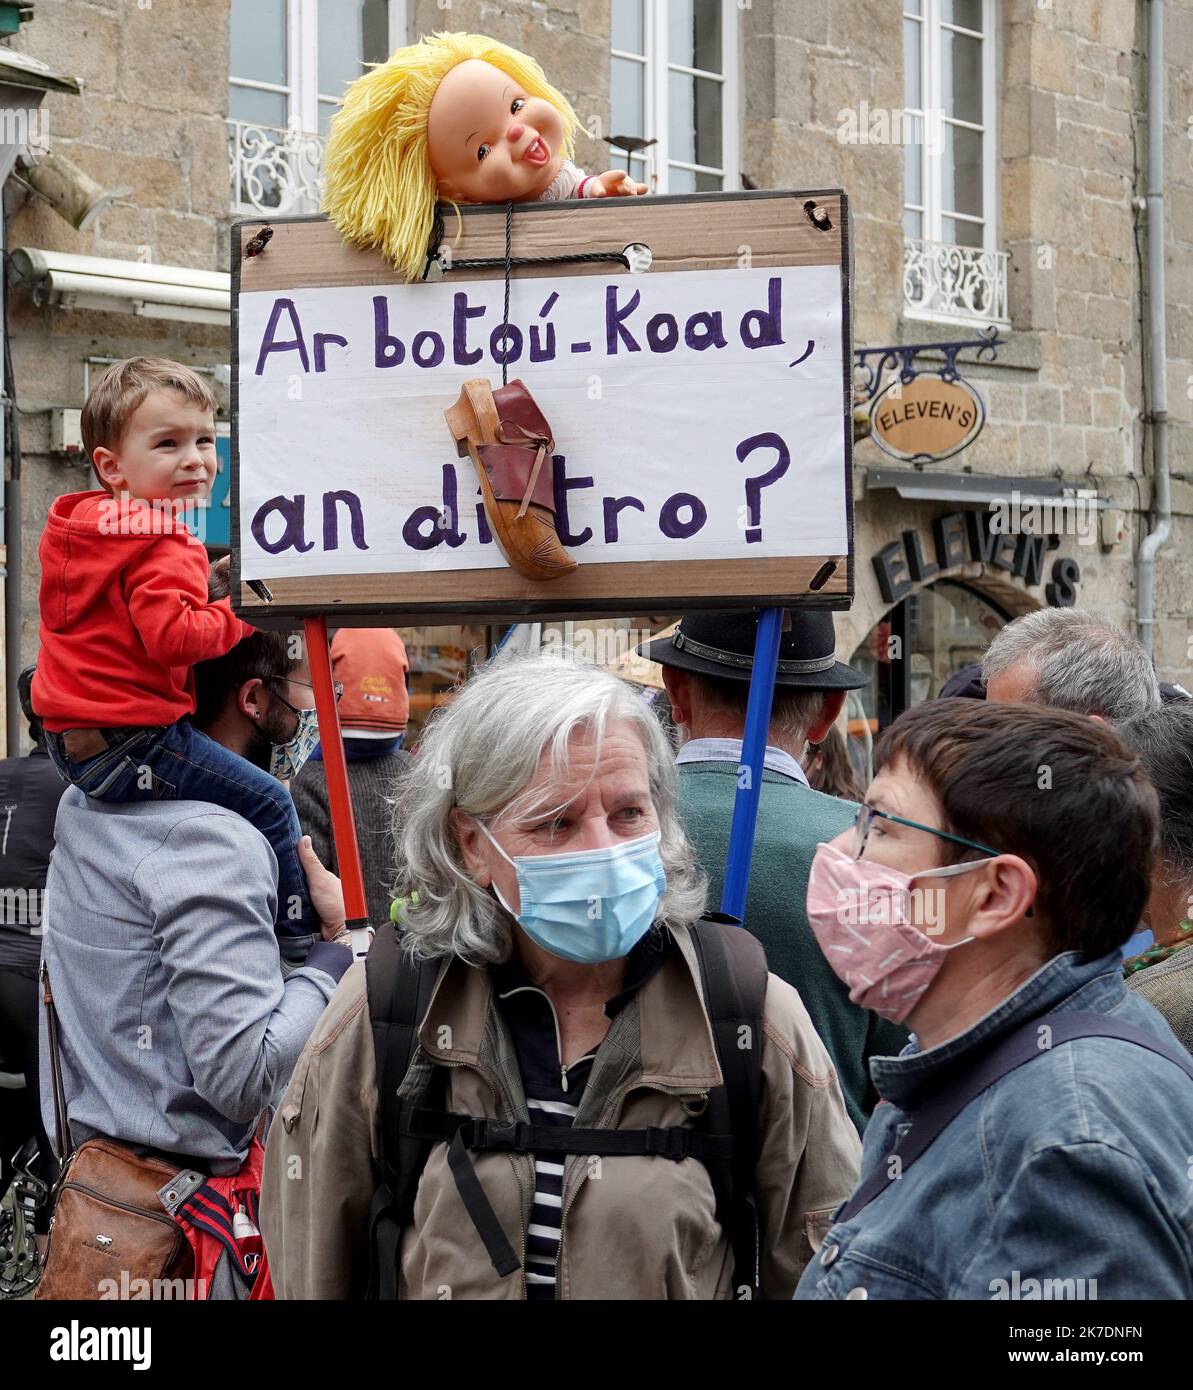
125, 614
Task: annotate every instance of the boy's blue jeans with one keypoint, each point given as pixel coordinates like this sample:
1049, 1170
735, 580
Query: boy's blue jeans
178, 762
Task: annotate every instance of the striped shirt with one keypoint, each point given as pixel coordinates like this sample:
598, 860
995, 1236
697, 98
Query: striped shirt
553, 1094
542, 1236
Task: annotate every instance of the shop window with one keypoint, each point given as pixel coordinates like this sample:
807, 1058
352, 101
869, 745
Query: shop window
290, 61
912, 653
952, 265
441, 658
673, 79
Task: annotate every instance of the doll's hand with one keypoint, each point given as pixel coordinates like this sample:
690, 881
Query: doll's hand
616, 183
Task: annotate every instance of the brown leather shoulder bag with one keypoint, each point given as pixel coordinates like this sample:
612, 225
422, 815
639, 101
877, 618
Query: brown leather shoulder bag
109, 1227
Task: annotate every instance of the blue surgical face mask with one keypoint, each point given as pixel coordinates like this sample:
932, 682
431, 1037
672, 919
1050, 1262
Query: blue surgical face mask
589, 905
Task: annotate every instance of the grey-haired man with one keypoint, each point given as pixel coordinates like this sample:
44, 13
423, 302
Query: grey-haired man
1071, 659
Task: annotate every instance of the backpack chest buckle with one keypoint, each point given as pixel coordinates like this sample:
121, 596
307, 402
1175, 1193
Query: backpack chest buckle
488, 1134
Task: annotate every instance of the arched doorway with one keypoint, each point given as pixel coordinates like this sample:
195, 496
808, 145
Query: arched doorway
912, 651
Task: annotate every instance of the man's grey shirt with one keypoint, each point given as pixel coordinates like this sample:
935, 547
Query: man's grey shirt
176, 1025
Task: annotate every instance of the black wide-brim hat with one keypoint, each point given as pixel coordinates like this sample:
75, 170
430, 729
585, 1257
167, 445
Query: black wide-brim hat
722, 644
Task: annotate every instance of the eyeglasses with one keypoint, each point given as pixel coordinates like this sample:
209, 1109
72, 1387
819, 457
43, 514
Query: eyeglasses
337, 687
865, 819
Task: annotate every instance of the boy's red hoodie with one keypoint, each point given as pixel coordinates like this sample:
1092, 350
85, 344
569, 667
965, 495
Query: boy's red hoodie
124, 615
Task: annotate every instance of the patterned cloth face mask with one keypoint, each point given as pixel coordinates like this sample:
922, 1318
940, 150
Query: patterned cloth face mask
286, 758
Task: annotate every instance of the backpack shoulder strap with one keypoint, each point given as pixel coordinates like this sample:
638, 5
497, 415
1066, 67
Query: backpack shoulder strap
733, 972
1031, 1040
734, 978
399, 990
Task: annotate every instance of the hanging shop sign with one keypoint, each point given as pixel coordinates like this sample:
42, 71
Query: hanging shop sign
922, 416
930, 417
700, 411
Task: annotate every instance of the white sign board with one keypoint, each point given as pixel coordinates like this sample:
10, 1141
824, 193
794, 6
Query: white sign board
697, 417
695, 414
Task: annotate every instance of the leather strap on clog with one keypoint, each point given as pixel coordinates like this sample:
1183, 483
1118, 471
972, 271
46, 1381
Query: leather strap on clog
527, 439
515, 475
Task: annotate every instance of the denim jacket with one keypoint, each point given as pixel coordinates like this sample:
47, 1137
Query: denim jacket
1068, 1178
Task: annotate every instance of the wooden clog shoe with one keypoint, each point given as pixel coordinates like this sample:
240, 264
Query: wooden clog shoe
510, 444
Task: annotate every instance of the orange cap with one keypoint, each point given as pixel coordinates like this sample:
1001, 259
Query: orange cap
371, 664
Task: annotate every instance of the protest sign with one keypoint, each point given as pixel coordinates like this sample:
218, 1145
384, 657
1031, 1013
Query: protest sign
700, 410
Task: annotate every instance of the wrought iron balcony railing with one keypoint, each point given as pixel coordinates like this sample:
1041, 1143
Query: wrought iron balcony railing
274, 170
945, 283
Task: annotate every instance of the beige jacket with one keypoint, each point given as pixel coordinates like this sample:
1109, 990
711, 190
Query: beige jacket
636, 1227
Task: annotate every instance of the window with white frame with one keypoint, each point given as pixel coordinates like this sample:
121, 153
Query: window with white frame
953, 267
673, 80
290, 61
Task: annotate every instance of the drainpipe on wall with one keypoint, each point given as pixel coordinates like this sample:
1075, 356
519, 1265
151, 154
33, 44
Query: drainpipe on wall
1161, 486
12, 520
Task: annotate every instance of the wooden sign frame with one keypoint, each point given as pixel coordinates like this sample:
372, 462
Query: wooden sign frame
781, 227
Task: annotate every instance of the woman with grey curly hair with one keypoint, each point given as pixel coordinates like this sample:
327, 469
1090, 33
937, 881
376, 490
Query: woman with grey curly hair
476, 773
553, 1125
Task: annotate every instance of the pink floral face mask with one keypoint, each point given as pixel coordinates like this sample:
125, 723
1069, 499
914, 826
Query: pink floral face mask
860, 913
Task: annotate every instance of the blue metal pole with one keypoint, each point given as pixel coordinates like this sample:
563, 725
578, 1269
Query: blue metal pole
753, 753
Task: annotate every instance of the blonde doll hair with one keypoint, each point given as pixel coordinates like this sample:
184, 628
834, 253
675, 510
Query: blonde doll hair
380, 190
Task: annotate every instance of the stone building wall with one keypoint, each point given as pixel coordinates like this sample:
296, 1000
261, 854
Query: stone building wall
150, 118
1065, 397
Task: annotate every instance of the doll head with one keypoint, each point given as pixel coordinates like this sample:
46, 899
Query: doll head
489, 140
455, 116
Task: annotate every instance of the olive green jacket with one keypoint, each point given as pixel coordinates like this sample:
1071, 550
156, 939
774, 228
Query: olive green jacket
793, 820
636, 1227
1168, 986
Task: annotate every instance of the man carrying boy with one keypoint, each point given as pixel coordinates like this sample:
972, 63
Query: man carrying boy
176, 1025
125, 614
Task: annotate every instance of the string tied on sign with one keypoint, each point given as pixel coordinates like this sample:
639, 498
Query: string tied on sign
634, 257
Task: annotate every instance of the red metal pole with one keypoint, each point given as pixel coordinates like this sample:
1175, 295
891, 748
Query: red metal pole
335, 766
